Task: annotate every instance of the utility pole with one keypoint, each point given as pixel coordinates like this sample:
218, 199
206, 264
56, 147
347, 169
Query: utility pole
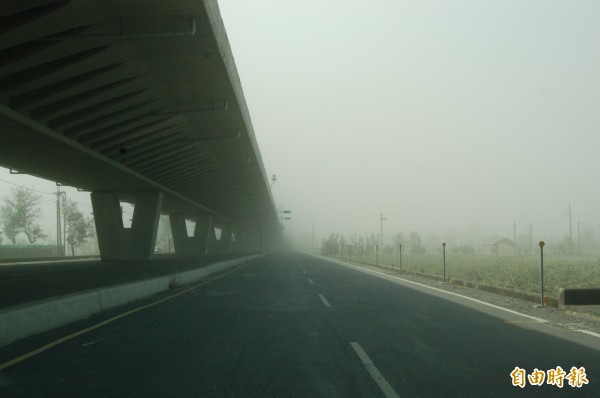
570, 232
578, 238
530, 230
59, 241
514, 231
58, 234
381, 220
64, 233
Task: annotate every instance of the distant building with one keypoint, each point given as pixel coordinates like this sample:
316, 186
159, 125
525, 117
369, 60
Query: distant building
506, 247
503, 247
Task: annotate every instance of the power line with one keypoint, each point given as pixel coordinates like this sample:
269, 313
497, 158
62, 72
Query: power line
551, 221
30, 189
45, 193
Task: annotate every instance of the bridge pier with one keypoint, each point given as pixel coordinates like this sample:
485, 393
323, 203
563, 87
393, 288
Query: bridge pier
211, 238
214, 245
118, 243
190, 246
238, 244
225, 241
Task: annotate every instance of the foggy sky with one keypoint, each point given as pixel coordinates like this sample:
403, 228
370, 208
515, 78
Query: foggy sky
442, 115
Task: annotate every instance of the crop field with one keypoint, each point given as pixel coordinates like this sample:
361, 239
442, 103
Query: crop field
519, 273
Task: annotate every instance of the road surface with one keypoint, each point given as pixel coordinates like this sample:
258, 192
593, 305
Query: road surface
291, 325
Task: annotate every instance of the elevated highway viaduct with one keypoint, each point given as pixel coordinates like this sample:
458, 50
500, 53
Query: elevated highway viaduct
136, 101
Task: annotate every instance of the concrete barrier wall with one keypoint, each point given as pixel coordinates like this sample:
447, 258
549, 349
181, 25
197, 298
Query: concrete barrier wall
28, 319
28, 251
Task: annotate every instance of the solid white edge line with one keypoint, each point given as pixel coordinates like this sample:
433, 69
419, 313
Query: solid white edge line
311, 281
324, 300
540, 320
588, 332
385, 387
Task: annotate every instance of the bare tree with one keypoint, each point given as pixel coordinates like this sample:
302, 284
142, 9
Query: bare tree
21, 213
77, 227
415, 246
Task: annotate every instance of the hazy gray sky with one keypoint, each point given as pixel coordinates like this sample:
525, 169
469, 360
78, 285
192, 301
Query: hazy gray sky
438, 114
442, 115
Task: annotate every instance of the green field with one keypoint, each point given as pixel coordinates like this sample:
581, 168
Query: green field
520, 273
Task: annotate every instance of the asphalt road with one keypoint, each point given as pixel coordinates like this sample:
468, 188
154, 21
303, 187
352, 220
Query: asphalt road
298, 326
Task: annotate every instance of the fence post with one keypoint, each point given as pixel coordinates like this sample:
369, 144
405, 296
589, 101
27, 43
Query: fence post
400, 255
444, 253
542, 269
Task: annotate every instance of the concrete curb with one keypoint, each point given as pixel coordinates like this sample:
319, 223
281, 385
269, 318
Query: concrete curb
25, 320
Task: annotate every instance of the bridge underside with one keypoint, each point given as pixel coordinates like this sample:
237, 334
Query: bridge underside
136, 101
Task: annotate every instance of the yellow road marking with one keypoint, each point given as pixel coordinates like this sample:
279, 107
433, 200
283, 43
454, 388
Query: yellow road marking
115, 318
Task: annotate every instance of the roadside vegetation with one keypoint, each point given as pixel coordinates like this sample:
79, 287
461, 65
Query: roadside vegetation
20, 229
519, 272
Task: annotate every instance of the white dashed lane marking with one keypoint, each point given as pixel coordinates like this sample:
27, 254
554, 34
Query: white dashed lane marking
385, 387
324, 300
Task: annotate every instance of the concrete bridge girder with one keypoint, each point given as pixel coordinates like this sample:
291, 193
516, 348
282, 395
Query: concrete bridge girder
190, 246
128, 114
136, 243
118, 243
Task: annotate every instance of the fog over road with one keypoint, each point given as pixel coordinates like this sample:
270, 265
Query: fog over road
291, 325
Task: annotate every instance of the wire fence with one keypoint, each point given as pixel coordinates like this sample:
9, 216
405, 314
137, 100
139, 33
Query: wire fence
521, 273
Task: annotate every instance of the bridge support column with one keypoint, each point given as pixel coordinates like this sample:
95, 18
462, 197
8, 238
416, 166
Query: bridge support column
190, 246
225, 242
244, 242
237, 244
251, 243
117, 243
212, 244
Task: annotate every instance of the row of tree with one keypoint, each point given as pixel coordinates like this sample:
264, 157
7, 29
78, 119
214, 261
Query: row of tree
20, 214
338, 244
412, 245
